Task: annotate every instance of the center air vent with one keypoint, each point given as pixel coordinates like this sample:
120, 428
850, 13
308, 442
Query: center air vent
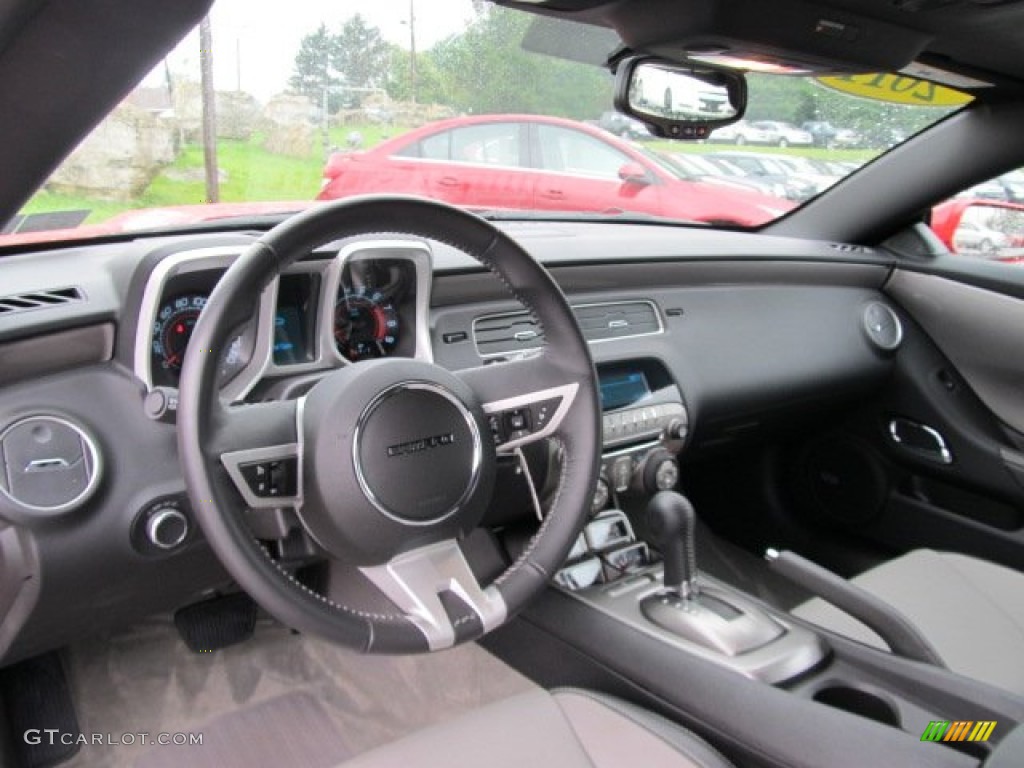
601, 322
38, 299
507, 334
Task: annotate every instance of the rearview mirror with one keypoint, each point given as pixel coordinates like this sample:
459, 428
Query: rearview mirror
679, 101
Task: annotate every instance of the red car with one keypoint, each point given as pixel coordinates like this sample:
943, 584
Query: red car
538, 163
948, 218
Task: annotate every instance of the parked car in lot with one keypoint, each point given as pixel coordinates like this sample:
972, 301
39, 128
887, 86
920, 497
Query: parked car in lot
623, 126
705, 168
528, 162
827, 135
1008, 187
768, 132
780, 134
820, 174
974, 236
769, 169
740, 133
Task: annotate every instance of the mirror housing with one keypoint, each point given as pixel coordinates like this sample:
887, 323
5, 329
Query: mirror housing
679, 101
634, 173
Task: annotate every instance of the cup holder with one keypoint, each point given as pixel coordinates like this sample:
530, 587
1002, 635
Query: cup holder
859, 702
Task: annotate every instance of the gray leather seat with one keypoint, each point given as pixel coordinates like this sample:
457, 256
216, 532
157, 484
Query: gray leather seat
565, 729
971, 611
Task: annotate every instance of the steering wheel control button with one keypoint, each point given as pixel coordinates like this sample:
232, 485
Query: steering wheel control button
272, 479
520, 422
418, 452
48, 465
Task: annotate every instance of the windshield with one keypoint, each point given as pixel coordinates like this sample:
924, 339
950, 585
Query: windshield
442, 100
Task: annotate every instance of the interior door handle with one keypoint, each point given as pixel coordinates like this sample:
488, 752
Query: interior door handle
920, 439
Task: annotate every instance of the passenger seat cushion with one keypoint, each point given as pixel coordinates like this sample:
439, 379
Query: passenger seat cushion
569, 729
971, 610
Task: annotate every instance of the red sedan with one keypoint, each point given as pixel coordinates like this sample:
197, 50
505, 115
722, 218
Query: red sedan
529, 162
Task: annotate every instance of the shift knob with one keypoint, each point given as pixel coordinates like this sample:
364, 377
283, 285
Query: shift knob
672, 525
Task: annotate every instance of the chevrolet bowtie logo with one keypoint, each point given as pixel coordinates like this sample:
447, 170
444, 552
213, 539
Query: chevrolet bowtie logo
423, 444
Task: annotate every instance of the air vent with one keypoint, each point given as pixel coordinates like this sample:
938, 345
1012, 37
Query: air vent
883, 326
848, 248
507, 334
26, 301
498, 335
616, 320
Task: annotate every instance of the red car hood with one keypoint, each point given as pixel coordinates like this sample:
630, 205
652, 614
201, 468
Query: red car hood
157, 218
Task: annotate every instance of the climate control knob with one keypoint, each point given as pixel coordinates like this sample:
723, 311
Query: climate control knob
660, 472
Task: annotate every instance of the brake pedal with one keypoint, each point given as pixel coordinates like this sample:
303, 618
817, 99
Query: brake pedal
216, 623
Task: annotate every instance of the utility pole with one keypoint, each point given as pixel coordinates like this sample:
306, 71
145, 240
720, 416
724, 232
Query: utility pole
209, 111
412, 49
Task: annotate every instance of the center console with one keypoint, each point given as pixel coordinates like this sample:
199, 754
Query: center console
633, 615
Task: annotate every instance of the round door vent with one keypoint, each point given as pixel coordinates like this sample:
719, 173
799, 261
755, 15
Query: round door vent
48, 465
882, 326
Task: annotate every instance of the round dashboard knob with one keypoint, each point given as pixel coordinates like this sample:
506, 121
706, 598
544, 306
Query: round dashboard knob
167, 527
666, 475
660, 472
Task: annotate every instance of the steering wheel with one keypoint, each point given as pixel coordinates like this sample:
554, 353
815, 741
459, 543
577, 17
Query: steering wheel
384, 467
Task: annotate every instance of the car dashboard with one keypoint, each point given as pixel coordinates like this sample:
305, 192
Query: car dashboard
714, 335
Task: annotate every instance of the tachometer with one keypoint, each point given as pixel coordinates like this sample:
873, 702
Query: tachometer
365, 325
173, 328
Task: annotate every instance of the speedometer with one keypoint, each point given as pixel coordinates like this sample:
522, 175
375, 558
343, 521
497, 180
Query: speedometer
365, 325
173, 329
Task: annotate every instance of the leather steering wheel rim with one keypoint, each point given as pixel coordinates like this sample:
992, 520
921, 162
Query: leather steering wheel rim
561, 378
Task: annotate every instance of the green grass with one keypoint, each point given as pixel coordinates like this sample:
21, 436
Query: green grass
252, 174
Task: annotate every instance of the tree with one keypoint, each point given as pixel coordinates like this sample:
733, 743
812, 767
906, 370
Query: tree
313, 72
360, 56
346, 64
486, 70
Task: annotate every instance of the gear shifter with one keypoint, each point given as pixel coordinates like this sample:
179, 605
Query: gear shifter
672, 524
712, 617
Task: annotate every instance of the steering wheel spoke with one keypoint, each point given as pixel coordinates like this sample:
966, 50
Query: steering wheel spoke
439, 594
525, 400
259, 447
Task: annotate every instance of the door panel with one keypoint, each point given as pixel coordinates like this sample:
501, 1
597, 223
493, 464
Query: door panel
959, 375
980, 331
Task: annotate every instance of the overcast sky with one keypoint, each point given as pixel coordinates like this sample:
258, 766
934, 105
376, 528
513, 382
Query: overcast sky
259, 40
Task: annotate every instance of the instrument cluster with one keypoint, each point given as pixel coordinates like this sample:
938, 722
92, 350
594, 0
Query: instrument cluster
317, 315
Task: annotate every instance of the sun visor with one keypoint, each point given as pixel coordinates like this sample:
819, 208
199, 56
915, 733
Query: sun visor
793, 36
571, 40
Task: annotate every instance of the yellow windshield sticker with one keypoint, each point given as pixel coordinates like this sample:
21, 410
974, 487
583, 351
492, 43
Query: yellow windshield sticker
896, 89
